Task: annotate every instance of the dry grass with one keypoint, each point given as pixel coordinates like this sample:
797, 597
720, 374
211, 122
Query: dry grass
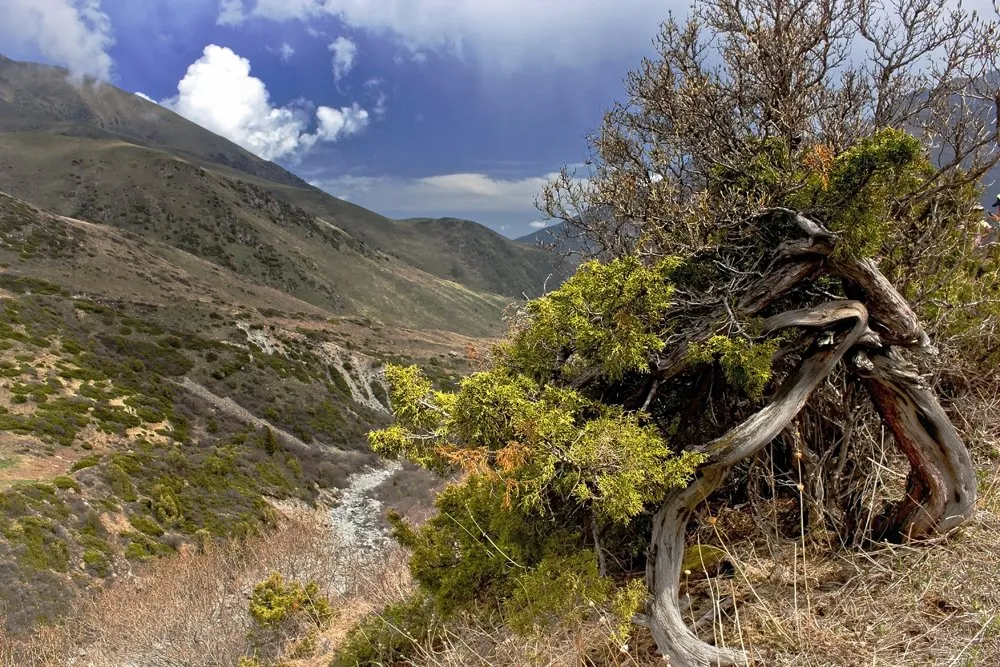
787, 602
896, 606
929, 604
192, 609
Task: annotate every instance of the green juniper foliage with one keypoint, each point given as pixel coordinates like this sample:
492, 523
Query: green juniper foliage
543, 463
280, 609
745, 365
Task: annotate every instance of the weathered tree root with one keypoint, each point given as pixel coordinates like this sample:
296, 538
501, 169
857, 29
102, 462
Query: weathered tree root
673, 638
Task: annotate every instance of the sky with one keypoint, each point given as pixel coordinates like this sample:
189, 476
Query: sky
411, 108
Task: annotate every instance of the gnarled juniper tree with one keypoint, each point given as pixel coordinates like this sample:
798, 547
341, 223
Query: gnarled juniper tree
785, 228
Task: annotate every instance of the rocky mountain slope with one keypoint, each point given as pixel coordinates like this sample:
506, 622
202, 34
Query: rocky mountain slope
94, 152
151, 400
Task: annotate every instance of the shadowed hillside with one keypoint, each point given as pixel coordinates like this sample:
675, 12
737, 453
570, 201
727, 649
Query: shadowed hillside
94, 152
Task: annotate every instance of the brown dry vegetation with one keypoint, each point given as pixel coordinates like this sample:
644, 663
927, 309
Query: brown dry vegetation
890, 607
894, 606
192, 609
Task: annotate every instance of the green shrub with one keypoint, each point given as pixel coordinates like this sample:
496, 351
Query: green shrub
112, 419
339, 381
71, 347
137, 551
148, 409
86, 462
97, 562
120, 482
39, 547
146, 525
274, 601
142, 547
66, 482
388, 637
165, 505
559, 592
282, 609
270, 441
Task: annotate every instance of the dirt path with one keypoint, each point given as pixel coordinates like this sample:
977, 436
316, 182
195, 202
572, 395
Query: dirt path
233, 409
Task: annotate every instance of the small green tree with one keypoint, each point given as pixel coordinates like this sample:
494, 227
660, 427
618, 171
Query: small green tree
271, 444
554, 480
283, 611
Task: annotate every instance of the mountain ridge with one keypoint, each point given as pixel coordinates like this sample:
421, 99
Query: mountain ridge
94, 152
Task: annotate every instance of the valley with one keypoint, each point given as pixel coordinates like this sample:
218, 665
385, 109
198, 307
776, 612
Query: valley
192, 339
191, 334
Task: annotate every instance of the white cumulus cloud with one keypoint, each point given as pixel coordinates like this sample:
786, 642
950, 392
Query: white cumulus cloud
505, 34
72, 33
334, 123
344, 52
218, 93
538, 224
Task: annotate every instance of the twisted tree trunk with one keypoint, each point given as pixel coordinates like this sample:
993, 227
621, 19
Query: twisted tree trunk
941, 490
672, 636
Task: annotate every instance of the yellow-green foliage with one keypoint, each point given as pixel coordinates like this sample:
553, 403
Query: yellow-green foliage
862, 185
65, 482
146, 525
275, 601
745, 365
539, 441
41, 549
474, 548
283, 609
628, 601
559, 591
544, 462
853, 193
164, 505
703, 559
610, 315
388, 636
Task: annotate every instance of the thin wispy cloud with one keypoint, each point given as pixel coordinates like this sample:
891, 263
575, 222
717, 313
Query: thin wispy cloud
344, 52
444, 193
504, 34
285, 51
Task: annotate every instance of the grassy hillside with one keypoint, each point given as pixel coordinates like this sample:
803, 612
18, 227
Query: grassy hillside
151, 401
236, 225
459, 250
42, 98
95, 152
